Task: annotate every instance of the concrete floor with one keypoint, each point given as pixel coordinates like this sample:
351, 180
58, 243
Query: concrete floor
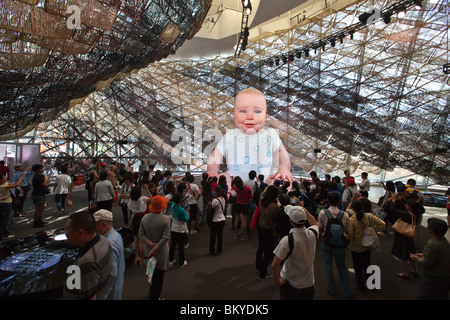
232, 275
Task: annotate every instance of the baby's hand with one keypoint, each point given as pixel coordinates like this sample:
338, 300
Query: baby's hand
283, 174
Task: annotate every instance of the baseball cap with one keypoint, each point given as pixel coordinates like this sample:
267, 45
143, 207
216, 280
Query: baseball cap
296, 213
18, 164
103, 214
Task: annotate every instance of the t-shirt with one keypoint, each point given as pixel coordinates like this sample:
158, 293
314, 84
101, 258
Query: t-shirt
245, 152
38, 188
195, 191
95, 261
4, 192
298, 269
62, 184
139, 205
219, 207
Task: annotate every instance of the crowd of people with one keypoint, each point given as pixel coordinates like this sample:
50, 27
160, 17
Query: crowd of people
291, 220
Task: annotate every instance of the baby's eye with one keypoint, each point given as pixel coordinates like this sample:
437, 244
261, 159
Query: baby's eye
242, 111
257, 111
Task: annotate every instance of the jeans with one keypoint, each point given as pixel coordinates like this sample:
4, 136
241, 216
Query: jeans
6, 208
205, 204
216, 232
264, 253
177, 238
339, 254
361, 261
60, 200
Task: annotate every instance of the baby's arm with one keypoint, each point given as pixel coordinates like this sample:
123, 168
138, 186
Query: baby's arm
284, 168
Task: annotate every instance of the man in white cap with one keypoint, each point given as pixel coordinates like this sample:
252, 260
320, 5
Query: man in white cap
296, 279
104, 226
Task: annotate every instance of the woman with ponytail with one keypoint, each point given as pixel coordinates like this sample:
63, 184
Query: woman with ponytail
360, 254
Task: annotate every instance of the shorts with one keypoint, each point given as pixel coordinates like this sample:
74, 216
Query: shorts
38, 200
241, 208
193, 212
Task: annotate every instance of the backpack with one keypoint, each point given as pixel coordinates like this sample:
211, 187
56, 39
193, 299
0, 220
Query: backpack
334, 235
370, 239
161, 189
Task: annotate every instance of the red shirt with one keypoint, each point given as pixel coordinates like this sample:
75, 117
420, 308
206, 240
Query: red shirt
243, 195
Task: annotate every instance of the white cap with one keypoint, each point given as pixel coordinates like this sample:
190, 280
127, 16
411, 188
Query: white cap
296, 213
103, 214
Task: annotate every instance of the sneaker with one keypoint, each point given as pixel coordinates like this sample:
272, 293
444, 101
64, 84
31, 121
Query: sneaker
184, 263
61, 212
186, 246
193, 232
171, 263
8, 237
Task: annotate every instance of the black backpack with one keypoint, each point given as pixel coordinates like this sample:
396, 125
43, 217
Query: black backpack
334, 235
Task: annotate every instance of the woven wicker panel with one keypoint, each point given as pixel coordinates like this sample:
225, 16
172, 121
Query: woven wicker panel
46, 60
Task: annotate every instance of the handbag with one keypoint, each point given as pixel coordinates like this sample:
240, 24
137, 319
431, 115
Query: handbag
370, 238
254, 222
404, 228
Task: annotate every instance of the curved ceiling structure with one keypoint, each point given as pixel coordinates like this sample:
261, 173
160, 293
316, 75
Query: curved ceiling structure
378, 99
53, 52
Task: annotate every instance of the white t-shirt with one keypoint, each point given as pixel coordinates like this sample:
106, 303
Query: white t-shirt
195, 190
298, 269
139, 205
218, 209
62, 184
245, 152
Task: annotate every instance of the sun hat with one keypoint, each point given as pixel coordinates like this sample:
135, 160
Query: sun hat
158, 204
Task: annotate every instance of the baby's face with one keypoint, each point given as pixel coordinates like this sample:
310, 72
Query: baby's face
250, 112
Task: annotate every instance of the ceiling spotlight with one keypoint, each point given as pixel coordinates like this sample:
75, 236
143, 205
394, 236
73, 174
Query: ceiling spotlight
306, 52
247, 6
298, 54
401, 12
418, 4
351, 34
333, 42
387, 18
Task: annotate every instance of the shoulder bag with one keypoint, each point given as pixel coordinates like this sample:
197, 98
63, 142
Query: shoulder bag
404, 228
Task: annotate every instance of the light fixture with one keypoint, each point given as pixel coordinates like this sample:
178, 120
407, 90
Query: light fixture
387, 17
247, 6
351, 34
401, 12
333, 42
418, 4
306, 52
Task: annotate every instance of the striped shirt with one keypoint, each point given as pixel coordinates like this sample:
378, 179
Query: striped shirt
95, 261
